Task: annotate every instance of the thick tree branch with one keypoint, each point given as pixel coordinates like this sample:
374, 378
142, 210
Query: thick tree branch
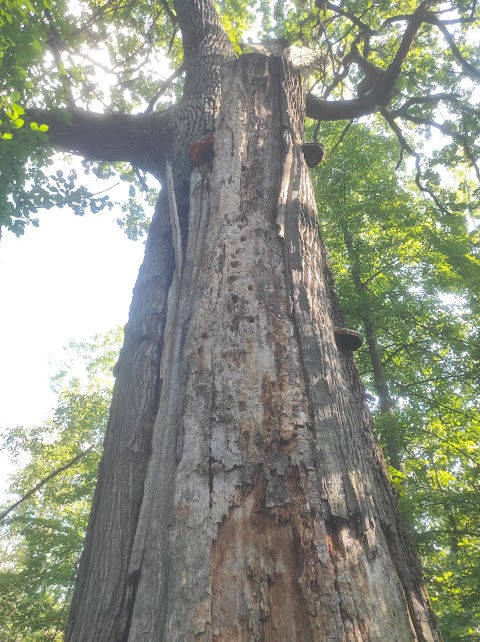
385, 84
168, 11
433, 19
382, 81
104, 137
44, 481
413, 26
319, 109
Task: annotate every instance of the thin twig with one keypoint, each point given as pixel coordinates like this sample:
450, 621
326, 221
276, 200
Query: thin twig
44, 481
163, 88
446, 131
342, 136
409, 149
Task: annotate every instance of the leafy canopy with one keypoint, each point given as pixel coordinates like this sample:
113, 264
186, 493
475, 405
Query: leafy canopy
415, 62
399, 210
408, 280
42, 537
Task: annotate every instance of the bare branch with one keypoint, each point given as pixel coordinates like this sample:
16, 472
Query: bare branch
409, 149
44, 481
342, 136
383, 81
445, 130
469, 68
168, 11
352, 17
163, 88
419, 100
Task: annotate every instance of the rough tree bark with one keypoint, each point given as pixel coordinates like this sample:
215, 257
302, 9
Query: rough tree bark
241, 495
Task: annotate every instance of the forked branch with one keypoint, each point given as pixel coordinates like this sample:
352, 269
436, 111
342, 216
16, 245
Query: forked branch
467, 67
382, 84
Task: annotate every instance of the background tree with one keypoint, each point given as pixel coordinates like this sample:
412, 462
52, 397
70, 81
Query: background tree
390, 251
43, 525
143, 520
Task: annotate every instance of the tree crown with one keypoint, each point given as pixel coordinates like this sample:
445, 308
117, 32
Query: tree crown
415, 63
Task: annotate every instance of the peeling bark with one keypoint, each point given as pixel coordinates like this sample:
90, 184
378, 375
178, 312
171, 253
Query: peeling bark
260, 508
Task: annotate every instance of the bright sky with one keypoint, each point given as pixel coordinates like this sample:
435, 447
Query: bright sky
68, 279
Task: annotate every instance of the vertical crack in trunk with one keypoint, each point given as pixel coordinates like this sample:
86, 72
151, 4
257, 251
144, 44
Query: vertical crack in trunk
132, 583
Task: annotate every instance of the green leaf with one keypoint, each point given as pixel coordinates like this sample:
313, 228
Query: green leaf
18, 110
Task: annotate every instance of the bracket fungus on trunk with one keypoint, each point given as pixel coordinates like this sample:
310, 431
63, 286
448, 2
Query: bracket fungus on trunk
348, 339
313, 153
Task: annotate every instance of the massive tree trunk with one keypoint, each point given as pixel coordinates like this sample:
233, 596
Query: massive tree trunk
242, 495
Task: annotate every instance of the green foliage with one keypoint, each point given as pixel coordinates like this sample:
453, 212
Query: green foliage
114, 56
407, 264
412, 273
51, 52
41, 540
237, 17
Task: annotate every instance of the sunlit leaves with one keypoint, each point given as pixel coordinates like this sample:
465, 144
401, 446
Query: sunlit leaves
57, 54
41, 540
415, 261
410, 269
237, 17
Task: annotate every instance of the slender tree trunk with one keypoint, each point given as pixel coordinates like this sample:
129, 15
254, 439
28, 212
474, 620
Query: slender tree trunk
380, 379
242, 496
